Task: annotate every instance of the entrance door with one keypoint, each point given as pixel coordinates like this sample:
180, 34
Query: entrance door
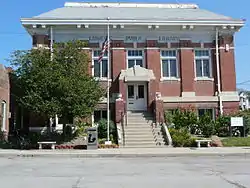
136, 94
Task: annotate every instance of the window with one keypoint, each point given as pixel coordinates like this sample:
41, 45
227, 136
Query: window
3, 115
203, 63
100, 69
169, 64
134, 57
98, 115
210, 112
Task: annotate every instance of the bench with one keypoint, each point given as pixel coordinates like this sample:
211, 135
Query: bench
205, 141
47, 143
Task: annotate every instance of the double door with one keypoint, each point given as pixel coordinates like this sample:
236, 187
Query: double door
137, 96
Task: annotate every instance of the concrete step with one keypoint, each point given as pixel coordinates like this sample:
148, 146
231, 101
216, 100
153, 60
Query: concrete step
139, 136
139, 115
140, 122
132, 141
138, 126
132, 135
143, 145
139, 132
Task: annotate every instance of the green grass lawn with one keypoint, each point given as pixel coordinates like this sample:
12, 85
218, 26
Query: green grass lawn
236, 142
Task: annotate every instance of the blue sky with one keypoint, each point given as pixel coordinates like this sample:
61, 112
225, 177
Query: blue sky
13, 36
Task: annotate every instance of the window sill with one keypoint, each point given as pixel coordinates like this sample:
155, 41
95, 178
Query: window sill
203, 79
170, 79
102, 79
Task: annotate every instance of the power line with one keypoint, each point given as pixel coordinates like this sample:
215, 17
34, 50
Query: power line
243, 83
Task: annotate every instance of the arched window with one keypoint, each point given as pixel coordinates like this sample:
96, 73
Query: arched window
3, 115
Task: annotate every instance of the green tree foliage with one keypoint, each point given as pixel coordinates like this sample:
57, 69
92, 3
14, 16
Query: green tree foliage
60, 85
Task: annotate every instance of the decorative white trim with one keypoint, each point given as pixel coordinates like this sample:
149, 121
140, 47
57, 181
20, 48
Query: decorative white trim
118, 48
3, 115
134, 5
170, 79
190, 99
188, 94
34, 21
230, 96
203, 79
102, 79
152, 48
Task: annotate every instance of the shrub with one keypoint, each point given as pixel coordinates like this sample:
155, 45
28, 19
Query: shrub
206, 125
222, 124
182, 118
181, 138
102, 130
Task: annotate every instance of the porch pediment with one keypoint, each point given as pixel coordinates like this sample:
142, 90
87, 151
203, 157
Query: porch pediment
137, 73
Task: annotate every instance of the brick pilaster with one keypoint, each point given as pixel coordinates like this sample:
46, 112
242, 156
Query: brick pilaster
187, 66
227, 65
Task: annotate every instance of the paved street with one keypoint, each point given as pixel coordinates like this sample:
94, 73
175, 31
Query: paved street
171, 172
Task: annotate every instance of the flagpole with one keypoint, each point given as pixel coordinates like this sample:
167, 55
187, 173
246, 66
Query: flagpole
108, 112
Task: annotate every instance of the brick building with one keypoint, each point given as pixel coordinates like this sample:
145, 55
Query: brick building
4, 99
162, 56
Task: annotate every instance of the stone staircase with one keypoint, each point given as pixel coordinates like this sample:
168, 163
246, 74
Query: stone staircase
141, 131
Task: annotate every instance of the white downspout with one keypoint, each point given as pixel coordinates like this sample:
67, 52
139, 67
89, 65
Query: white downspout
218, 72
51, 43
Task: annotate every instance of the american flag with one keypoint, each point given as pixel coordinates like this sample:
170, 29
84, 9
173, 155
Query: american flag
104, 49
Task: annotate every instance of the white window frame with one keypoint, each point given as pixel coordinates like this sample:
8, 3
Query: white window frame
3, 114
101, 113
213, 111
93, 64
135, 57
170, 58
210, 77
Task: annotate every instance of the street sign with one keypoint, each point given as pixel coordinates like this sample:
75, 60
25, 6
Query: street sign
237, 122
92, 138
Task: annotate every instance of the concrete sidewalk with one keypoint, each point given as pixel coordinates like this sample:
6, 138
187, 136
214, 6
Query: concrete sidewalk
129, 152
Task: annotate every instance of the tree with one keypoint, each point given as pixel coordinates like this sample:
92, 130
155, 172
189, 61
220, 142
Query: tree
59, 85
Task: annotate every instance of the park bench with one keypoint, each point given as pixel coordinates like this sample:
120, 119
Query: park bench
47, 143
204, 141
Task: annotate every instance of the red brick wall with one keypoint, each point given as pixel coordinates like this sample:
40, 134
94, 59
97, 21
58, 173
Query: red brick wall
170, 88
204, 88
153, 63
118, 63
227, 62
5, 94
230, 107
187, 66
40, 39
151, 94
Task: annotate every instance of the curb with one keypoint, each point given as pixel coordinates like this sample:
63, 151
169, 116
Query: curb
102, 155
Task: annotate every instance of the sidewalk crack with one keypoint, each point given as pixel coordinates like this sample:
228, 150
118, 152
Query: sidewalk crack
219, 174
77, 183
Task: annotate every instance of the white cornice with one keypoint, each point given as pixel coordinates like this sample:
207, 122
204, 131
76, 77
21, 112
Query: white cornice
133, 5
33, 21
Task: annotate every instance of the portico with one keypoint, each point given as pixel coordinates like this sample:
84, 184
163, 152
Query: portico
136, 80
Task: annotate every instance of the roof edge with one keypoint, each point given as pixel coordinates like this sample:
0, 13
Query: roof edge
31, 21
132, 5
